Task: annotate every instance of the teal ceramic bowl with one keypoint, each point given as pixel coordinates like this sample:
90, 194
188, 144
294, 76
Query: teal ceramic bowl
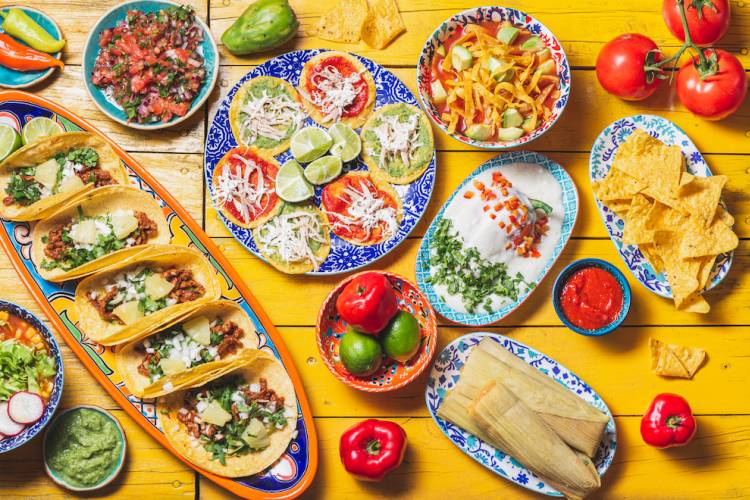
91, 51
12, 79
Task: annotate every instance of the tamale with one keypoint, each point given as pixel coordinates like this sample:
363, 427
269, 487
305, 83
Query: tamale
520, 432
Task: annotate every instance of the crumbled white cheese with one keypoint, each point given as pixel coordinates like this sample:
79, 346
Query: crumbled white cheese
337, 92
271, 117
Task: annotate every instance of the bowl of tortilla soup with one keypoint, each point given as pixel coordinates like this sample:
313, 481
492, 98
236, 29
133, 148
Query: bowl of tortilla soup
493, 77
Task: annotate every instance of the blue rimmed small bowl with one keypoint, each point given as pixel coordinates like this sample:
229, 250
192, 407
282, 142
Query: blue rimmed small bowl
562, 279
32, 430
494, 14
58, 479
91, 51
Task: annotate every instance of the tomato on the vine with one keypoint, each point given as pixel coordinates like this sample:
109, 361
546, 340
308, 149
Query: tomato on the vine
712, 95
623, 66
708, 20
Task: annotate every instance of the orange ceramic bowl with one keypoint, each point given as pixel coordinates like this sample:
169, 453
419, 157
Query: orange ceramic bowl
392, 375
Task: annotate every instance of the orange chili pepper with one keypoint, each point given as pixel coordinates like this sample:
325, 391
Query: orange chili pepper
19, 57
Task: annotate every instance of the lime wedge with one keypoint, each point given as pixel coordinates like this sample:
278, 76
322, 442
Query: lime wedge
346, 142
323, 170
39, 128
9, 141
291, 185
310, 143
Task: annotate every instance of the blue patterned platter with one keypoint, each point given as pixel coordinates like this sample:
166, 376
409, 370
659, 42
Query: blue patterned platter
344, 256
602, 155
446, 372
54, 399
570, 205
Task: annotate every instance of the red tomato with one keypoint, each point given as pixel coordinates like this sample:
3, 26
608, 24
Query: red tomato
620, 66
708, 20
716, 96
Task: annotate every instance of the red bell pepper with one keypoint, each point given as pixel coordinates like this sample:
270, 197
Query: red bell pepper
668, 422
372, 448
368, 302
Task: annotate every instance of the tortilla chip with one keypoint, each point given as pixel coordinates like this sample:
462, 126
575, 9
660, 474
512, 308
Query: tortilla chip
662, 217
699, 196
682, 273
724, 216
617, 185
718, 239
620, 207
707, 265
383, 24
635, 231
344, 22
648, 251
672, 360
651, 161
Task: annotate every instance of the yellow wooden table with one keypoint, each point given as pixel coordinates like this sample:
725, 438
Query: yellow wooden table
715, 465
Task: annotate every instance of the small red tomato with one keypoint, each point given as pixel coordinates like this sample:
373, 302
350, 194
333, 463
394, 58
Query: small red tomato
621, 67
708, 20
712, 96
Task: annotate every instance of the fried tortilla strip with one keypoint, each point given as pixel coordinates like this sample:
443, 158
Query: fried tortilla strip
383, 24
344, 22
672, 360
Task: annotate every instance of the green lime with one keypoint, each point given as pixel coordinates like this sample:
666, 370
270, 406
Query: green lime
360, 353
323, 169
9, 141
346, 142
310, 143
291, 185
401, 337
39, 128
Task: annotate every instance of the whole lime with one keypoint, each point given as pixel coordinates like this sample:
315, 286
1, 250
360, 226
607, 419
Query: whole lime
401, 337
360, 353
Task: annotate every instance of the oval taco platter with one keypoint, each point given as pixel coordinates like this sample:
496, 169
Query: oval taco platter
293, 472
446, 371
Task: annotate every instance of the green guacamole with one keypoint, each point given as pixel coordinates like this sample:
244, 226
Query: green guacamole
396, 166
271, 89
84, 447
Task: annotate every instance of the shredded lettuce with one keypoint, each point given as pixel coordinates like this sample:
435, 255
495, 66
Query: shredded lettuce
22, 368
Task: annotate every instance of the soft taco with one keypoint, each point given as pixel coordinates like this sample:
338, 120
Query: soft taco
265, 113
397, 143
295, 241
362, 209
236, 425
41, 176
160, 284
205, 343
96, 230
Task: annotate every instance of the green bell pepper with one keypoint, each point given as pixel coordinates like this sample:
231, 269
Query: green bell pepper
265, 24
18, 24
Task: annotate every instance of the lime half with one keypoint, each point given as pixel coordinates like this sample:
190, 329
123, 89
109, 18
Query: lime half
9, 141
323, 170
346, 142
39, 128
291, 185
310, 143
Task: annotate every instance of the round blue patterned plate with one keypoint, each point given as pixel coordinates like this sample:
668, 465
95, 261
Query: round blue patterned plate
603, 153
12, 79
344, 256
54, 399
447, 370
570, 205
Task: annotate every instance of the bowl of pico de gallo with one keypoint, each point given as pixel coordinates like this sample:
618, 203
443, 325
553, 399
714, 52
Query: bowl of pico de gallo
150, 64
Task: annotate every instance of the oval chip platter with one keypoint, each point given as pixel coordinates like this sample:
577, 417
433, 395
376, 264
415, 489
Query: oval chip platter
294, 471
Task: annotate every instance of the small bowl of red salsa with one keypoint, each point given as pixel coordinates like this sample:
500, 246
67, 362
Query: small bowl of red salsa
591, 297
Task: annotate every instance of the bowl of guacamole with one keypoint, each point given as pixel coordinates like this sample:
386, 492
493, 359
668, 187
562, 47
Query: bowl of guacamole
84, 448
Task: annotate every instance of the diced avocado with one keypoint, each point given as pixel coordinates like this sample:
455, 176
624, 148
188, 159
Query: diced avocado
544, 55
529, 124
70, 183
46, 173
461, 58
215, 414
507, 34
478, 131
512, 118
438, 93
128, 312
510, 133
533, 44
172, 365
156, 287
495, 67
547, 67
256, 435
440, 50
505, 76
198, 329
123, 224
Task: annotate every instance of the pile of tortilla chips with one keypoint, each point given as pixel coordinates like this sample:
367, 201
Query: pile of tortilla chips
672, 216
377, 23
672, 360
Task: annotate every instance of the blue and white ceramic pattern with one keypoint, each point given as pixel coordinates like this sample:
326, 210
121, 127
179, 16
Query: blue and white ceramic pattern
478, 15
344, 256
12, 79
447, 370
54, 399
91, 51
570, 205
602, 155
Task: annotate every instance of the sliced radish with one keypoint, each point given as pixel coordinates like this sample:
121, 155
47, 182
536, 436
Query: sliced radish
7, 426
25, 407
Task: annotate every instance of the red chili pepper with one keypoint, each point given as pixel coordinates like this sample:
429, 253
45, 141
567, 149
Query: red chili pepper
372, 448
668, 422
367, 303
19, 57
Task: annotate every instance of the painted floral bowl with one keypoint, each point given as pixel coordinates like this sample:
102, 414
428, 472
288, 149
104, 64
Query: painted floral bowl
484, 14
391, 375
